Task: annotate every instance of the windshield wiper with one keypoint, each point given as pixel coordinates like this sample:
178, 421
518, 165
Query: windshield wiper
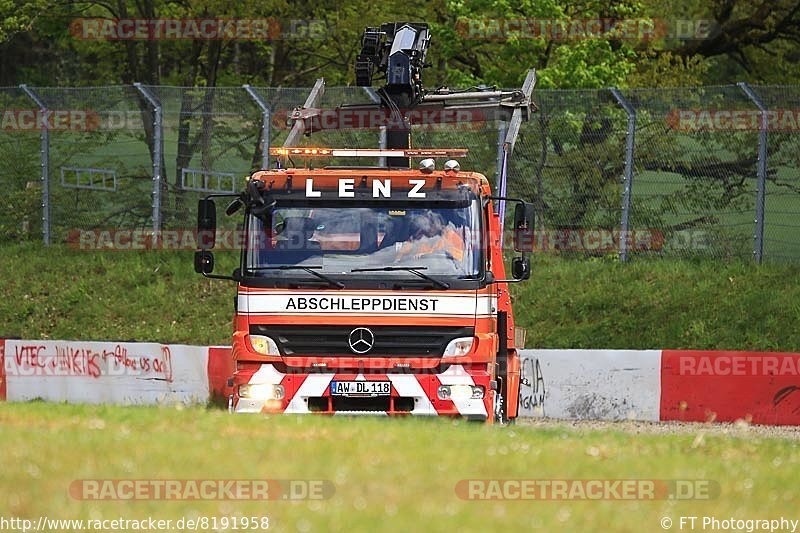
309, 269
413, 270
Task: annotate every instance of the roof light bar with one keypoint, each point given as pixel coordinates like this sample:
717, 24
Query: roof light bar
368, 152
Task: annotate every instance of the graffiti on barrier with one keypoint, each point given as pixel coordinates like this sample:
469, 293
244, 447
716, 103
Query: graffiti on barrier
79, 360
784, 394
532, 389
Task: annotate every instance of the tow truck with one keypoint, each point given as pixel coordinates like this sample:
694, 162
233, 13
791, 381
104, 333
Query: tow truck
377, 289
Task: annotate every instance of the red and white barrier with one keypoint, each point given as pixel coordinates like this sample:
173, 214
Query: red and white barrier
220, 369
684, 385
725, 386
722, 386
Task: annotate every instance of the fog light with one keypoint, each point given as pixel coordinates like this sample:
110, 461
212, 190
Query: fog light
460, 392
261, 391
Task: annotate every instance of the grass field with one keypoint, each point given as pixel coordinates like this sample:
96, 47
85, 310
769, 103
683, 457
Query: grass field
400, 474
67, 294
397, 475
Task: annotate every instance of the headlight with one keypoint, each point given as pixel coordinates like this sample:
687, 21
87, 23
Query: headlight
261, 391
460, 392
459, 346
264, 345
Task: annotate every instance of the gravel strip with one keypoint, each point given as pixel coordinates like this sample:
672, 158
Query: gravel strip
739, 429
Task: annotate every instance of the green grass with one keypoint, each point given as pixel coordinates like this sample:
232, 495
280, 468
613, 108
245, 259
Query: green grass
389, 475
660, 304
60, 293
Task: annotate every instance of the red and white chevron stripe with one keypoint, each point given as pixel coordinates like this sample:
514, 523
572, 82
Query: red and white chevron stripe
419, 387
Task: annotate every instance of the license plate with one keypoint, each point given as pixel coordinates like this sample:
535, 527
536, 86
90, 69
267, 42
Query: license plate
361, 388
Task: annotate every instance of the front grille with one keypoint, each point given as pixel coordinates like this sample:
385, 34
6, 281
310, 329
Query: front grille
324, 404
390, 341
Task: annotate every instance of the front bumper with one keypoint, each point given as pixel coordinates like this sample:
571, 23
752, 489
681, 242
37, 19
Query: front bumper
411, 393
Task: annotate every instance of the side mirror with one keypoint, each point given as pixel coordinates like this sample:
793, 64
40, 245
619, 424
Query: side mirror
234, 206
206, 224
203, 262
521, 268
524, 223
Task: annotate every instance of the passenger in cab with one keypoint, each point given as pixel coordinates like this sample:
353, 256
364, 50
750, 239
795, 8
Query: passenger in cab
428, 234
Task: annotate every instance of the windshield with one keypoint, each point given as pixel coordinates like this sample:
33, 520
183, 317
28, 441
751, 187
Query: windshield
441, 241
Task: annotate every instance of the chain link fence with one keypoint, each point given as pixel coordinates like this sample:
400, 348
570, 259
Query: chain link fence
20, 173
695, 178
782, 194
569, 161
685, 172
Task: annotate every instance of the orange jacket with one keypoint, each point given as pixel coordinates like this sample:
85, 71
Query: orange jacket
448, 241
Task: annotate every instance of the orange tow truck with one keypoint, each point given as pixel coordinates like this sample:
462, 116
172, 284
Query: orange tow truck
377, 289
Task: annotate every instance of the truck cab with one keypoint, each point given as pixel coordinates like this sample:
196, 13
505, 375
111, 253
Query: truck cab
372, 291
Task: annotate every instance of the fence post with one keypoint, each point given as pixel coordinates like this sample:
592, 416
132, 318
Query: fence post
501, 138
158, 155
45, 162
761, 171
382, 137
266, 131
627, 184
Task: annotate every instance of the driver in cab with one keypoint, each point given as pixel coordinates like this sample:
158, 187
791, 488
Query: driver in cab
428, 234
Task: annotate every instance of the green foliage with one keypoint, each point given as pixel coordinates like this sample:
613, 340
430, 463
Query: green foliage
492, 49
322, 38
666, 69
18, 16
589, 64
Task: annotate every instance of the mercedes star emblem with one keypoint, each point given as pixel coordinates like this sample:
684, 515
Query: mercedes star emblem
361, 340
